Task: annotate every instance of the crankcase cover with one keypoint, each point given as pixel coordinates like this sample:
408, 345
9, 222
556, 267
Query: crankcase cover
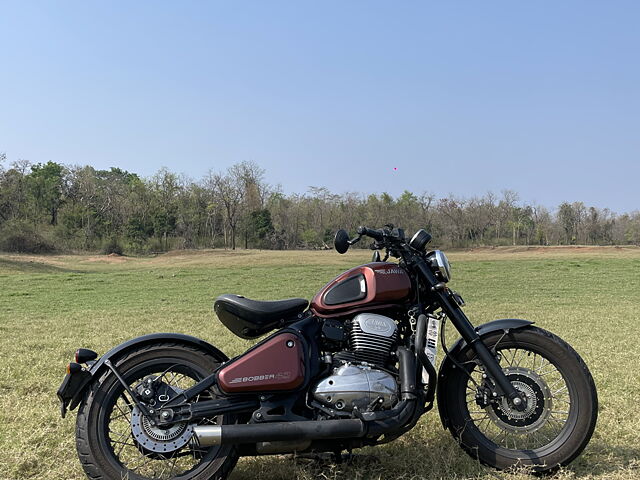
356, 386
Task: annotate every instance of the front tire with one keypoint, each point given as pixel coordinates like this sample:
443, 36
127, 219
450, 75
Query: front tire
114, 441
561, 408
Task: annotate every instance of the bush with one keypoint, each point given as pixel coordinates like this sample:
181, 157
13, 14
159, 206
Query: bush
20, 237
112, 246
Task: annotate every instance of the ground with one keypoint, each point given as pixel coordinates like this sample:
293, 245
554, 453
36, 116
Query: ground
51, 305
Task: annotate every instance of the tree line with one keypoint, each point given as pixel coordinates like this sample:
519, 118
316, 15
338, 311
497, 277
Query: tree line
54, 207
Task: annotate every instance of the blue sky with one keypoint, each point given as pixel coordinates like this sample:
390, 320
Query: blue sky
462, 97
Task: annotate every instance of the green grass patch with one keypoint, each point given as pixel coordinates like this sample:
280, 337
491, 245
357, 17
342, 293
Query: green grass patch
51, 305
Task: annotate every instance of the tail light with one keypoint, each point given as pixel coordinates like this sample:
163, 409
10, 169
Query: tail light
84, 355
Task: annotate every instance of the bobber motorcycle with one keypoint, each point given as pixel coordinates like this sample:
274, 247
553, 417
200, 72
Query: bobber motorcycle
355, 367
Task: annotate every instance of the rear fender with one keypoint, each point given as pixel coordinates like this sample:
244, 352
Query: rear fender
71, 392
447, 364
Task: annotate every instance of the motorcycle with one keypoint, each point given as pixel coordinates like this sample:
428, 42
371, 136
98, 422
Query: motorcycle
356, 367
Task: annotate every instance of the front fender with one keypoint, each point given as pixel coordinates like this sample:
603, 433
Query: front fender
447, 364
74, 391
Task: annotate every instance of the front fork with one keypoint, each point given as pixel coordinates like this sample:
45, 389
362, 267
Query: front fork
485, 356
470, 336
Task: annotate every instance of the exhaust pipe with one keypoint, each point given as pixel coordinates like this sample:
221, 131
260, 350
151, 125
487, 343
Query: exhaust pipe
209, 435
374, 424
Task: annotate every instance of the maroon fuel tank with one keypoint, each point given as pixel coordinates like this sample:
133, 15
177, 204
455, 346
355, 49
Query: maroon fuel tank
374, 285
275, 364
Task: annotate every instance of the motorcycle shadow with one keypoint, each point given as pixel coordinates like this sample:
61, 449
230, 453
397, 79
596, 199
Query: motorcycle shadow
413, 458
409, 457
604, 459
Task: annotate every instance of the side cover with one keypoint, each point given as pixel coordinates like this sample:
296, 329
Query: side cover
276, 364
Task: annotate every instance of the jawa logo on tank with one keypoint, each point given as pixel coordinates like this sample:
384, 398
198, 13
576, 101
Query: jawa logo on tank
390, 271
259, 378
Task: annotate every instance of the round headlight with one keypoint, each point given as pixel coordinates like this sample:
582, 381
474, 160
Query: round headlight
442, 264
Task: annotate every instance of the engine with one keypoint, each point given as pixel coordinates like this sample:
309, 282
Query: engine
355, 381
371, 339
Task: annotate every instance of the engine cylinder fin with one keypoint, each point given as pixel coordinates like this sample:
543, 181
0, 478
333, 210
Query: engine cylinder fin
372, 337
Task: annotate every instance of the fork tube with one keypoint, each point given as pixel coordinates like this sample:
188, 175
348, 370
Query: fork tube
469, 335
467, 332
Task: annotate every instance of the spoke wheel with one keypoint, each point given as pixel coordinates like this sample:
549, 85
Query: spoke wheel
148, 450
561, 403
547, 398
123, 443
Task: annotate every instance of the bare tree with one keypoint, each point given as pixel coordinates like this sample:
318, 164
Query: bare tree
229, 193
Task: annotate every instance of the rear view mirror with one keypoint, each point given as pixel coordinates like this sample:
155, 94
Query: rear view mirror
341, 241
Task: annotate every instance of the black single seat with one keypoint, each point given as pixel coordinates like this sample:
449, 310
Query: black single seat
251, 318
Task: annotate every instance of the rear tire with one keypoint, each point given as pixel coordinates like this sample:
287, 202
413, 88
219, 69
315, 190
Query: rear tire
562, 400
107, 458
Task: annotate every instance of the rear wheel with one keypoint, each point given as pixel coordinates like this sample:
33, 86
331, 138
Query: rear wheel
561, 403
115, 441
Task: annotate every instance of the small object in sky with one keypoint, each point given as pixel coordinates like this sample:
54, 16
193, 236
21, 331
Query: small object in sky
395, 169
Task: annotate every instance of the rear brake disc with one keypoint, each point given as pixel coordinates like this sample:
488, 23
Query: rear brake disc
159, 439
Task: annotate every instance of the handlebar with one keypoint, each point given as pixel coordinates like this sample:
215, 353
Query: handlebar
370, 232
390, 238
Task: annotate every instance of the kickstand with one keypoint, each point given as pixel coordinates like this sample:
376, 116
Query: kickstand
338, 458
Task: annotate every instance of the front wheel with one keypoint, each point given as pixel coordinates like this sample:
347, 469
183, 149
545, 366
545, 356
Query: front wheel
561, 403
115, 441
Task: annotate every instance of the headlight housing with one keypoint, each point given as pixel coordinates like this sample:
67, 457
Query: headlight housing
419, 240
441, 265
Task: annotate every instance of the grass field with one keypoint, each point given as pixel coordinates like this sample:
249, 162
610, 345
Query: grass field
51, 305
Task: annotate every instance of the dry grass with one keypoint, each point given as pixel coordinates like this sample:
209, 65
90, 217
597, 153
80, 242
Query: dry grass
50, 305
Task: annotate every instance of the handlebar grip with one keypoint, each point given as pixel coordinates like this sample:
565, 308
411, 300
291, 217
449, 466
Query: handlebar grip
375, 234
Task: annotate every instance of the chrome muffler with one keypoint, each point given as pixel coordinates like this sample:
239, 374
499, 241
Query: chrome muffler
208, 435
